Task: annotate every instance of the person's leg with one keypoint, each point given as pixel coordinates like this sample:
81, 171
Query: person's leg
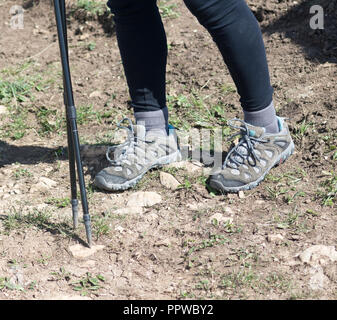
143, 47
265, 138
236, 32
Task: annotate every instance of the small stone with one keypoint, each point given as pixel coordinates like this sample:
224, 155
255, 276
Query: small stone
48, 182
96, 94
17, 278
294, 237
144, 199
168, 181
241, 194
315, 252
319, 280
79, 251
277, 238
38, 187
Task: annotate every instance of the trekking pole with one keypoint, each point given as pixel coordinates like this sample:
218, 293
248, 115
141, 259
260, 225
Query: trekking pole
72, 133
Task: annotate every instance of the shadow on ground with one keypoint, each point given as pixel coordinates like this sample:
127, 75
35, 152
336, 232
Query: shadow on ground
319, 45
27, 154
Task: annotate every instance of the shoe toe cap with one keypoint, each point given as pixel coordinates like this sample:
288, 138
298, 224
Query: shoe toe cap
219, 180
105, 180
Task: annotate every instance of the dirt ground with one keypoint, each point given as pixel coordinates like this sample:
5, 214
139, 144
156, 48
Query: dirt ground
276, 241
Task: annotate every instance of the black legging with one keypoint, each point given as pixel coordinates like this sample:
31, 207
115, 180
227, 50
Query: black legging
233, 27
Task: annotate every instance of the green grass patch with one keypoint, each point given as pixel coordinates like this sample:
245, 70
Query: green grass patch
58, 202
6, 284
19, 86
101, 225
88, 284
328, 192
167, 9
50, 121
21, 173
16, 220
93, 7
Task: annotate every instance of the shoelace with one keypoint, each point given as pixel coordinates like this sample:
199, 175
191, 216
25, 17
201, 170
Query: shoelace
246, 142
128, 147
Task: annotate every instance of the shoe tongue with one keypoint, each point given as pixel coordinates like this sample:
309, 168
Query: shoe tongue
256, 132
139, 131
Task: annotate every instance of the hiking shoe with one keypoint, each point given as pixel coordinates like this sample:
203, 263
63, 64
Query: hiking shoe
247, 163
132, 159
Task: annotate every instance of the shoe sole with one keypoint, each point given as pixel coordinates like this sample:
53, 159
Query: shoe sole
101, 183
215, 184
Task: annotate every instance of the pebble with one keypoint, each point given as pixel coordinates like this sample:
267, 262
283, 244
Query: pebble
277, 238
96, 94
169, 181
44, 184
318, 280
314, 253
17, 278
241, 194
79, 251
38, 187
144, 199
48, 182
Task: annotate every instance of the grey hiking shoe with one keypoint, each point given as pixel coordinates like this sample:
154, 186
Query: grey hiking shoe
136, 156
247, 163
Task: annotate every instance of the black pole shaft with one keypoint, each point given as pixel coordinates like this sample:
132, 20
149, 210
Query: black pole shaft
71, 154
73, 139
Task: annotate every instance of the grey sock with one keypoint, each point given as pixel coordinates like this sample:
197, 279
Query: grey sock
155, 122
263, 118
